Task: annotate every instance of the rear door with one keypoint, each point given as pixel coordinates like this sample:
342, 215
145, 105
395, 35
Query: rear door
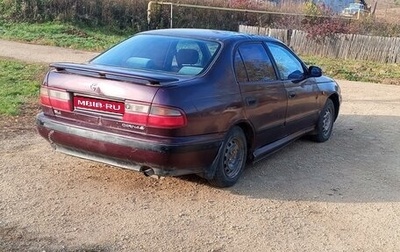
264, 96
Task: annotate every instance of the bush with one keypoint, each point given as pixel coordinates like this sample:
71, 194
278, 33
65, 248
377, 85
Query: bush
131, 15
124, 14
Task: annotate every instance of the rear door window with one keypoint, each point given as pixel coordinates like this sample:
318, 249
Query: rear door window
253, 59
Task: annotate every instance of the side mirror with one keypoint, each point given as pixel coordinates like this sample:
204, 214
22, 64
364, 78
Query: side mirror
315, 71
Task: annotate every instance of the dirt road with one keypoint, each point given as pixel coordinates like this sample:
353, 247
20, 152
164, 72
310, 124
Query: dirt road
342, 195
41, 54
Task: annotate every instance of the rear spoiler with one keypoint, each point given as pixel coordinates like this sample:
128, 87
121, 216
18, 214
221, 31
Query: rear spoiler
108, 72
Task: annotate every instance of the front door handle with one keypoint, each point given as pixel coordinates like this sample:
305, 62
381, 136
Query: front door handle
292, 94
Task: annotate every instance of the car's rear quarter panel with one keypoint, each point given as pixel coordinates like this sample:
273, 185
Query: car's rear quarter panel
212, 101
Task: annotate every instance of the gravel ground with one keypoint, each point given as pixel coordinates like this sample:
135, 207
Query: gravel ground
342, 195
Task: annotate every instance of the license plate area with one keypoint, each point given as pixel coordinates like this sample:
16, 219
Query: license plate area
98, 105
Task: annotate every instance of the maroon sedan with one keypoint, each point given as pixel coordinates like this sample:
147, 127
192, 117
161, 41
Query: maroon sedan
179, 101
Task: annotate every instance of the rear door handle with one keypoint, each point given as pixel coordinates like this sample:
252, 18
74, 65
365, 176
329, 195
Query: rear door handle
250, 101
292, 94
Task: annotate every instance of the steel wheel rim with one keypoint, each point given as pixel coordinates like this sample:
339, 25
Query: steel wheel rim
327, 122
233, 157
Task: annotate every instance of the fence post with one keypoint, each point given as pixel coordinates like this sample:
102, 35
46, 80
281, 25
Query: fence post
172, 16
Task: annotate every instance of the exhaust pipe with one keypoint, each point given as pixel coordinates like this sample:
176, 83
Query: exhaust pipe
147, 171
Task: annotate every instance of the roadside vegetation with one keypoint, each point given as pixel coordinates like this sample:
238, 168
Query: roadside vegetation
19, 82
90, 39
356, 70
61, 34
131, 15
95, 25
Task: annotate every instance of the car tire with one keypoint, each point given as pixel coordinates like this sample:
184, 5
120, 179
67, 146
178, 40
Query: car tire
231, 160
325, 122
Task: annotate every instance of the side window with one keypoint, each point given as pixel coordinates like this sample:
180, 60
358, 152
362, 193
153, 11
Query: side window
212, 47
240, 70
257, 62
289, 66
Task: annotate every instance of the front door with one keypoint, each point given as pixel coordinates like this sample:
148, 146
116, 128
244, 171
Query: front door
302, 92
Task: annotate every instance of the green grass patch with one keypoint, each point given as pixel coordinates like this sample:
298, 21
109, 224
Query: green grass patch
18, 83
357, 70
61, 34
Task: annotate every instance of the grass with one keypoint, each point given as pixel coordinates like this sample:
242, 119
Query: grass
85, 38
356, 70
61, 34
18, 83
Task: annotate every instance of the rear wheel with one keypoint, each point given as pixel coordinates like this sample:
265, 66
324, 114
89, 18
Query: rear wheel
232, 159
325, 122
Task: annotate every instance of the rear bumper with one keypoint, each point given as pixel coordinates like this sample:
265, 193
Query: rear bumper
166, 156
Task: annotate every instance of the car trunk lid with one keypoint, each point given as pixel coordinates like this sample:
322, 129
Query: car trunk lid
114, 73
111, 98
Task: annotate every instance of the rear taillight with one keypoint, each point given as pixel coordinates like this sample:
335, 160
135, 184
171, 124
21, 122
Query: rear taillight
154, 116
56, 98
165, 117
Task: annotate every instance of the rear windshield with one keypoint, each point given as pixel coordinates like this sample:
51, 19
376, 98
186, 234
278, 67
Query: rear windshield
181, 56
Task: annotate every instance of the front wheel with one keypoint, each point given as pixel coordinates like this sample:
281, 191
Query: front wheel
232, 159
325, 122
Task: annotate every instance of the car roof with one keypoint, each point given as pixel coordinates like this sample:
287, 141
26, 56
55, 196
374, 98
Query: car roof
208, 34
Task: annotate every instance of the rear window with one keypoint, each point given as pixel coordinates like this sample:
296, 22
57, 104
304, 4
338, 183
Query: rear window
181, 56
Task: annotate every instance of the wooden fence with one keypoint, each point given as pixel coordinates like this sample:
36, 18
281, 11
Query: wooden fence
343, 46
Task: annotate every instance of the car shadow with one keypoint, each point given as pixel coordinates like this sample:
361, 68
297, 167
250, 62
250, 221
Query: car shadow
360, 163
